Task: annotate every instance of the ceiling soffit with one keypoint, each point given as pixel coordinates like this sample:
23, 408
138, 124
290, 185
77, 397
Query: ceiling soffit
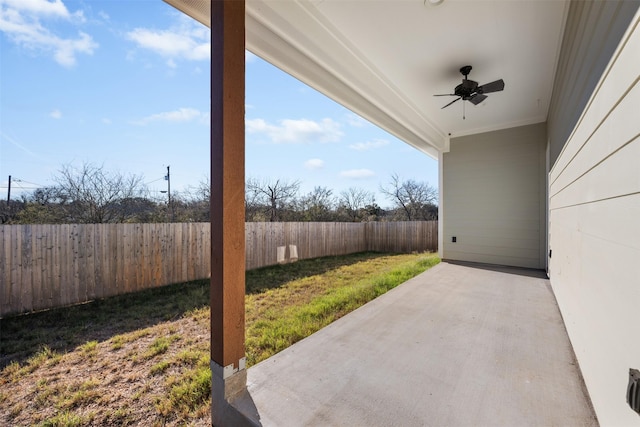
301, 43
384, 60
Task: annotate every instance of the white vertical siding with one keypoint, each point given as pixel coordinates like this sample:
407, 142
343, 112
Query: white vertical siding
493, 197
594, 220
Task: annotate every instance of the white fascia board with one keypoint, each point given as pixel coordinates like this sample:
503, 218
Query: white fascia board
292, 37
200, 10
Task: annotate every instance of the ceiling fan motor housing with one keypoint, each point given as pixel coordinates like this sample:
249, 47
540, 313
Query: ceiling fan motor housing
466, 88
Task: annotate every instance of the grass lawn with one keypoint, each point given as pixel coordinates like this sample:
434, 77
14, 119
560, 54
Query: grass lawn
143, 359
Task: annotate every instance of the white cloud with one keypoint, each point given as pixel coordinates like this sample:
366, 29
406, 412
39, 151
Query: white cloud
364, 146
106, 121
186, 40
38, 7
20, 20
56, 114
296, 131
181, 115
357, 173
314, 164
65, 50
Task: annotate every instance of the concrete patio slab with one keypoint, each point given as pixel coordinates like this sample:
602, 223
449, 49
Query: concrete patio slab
459, 345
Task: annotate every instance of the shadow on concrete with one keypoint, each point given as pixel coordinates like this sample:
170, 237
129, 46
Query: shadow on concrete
245, 412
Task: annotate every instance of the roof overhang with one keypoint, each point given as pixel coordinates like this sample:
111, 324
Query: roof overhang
384, 60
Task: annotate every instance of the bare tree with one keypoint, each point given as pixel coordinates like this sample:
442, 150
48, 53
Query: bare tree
353, 203
272, 197
193, 204
254, 210
204, 190
318, 205
416, 200
93, 195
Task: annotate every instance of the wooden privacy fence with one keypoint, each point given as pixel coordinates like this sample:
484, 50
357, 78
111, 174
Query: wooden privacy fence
46, 266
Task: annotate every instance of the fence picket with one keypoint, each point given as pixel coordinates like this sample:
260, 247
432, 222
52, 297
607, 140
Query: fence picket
26, 290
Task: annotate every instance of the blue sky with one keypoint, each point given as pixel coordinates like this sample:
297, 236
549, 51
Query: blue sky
125, 84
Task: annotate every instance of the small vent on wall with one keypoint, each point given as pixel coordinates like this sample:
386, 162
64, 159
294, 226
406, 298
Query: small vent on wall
633, 390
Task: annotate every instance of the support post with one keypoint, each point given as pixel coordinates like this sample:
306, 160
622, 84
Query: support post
227, 207
169, 206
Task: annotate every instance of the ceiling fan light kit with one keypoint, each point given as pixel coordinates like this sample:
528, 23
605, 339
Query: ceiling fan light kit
469, 90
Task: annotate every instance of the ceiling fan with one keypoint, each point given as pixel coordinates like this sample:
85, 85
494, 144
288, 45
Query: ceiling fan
470, 91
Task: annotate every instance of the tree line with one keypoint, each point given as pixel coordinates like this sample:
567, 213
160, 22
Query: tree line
91, 194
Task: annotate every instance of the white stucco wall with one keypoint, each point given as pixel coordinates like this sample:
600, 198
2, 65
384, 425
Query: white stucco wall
594, 234
493, 197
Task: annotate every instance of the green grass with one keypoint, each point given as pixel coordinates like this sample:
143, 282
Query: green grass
66, 419
120, 417
158, 346
79, 394
118, 341
344, 290
187, 393
188, 357
89, 350
156, 342
42, 358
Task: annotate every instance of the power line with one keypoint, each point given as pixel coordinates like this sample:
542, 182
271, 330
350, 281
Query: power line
27, 182
155, 180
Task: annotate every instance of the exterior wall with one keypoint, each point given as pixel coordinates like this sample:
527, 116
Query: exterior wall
592, 33
594, 216
494, 197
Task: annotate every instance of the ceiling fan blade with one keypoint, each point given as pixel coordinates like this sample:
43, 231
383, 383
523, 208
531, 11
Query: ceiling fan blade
477, 98
457, 99
447, 94
496, 86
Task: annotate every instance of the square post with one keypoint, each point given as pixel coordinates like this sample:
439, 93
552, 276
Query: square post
227, 206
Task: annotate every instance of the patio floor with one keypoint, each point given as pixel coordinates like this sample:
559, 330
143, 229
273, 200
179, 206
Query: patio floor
459, 345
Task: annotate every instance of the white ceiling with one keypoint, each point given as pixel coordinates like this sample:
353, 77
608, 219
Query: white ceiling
384, 59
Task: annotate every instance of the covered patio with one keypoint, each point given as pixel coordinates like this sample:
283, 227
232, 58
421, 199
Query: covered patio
459, 345
542, 175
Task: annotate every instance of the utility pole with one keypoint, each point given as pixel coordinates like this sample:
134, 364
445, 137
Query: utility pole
169, 207
9, 191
